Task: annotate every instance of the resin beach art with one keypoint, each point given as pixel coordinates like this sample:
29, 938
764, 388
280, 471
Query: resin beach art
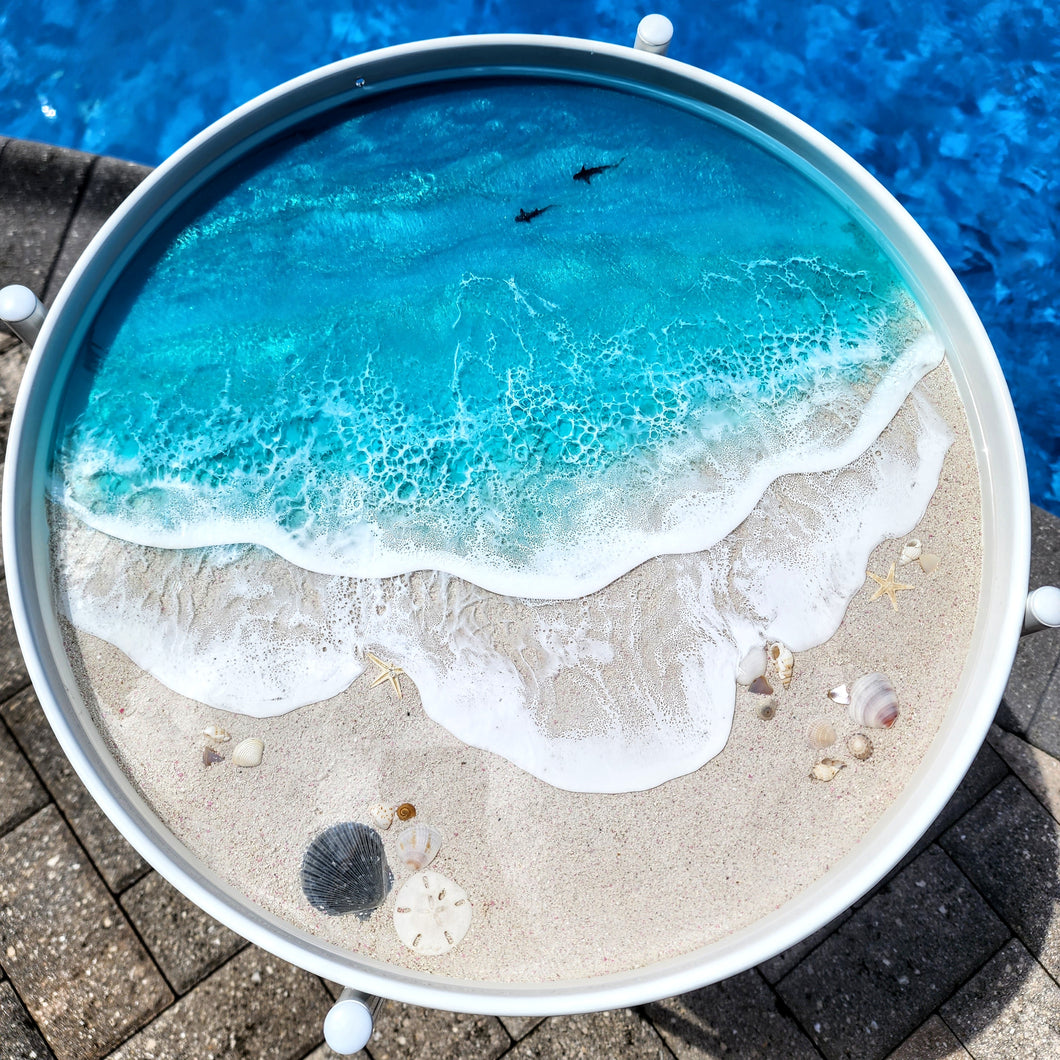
562, 464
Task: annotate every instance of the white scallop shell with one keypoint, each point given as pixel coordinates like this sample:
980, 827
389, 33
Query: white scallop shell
826, 769
431, 913
382, 815
752, 665
216, 733
873, 702
928, 562
784, 662
910, 551
417, 846
821, 735
248, 753
860, 746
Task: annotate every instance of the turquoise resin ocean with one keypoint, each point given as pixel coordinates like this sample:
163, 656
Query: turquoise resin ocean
354, 354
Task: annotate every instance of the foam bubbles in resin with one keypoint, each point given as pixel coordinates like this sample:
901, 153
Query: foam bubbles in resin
349, 403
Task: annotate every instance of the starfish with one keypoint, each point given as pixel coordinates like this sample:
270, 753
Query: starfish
888, 587
389, 672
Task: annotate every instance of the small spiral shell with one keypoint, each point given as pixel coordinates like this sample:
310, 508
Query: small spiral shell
405, 812
826, 769
784, 662
910, 551
859, 746
873, 702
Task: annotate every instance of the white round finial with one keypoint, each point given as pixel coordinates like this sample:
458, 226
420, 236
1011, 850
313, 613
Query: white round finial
22, 311
348, 1026
654, 34
1043, 609
16, 303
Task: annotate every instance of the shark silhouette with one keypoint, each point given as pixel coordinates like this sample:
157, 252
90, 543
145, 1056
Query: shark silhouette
537, 212
587, 173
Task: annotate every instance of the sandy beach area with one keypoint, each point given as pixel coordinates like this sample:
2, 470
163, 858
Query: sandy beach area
588, 884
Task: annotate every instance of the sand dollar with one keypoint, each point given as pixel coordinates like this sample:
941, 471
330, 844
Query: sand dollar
431, 913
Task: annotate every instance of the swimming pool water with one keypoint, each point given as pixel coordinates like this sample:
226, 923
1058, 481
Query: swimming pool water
949, 104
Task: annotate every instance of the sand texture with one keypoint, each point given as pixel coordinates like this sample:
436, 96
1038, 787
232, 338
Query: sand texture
588, 884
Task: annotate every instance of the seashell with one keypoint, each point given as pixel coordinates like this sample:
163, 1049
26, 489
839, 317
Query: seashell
784, 662
344, 870
840, 694
417, 845
406, 811
821, 735
210, 756
751, 666
910, 551
217, 734
928, 562
382, 815
873, 702
860, 746
826, 769
248, 753
761, 687
767, 710
431, 913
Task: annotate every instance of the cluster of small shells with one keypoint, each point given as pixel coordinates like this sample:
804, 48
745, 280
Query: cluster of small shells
913, 551
872, 703
752, 674
246, 755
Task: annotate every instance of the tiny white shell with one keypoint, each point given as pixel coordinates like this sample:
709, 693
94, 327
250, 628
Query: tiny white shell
431, 913
784, 662
873, 702
248, 753
928, 562
216, 733
840, 694
860, 746
752, 665
418, 845
910, 551
382, 815
826, 769
821, 735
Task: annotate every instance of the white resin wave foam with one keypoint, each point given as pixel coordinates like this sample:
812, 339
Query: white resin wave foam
539, 682
683, 498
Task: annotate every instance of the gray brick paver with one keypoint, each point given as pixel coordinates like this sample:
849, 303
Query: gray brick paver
737, 1019
13, 673
109, 183
867, 987
117, 862
186, 942
254, 1008
67, 948
592, 1036
19, 1037
406, 1032
1039, 771
1037, 656
1007, 846
520, 1026
39, 189
933, 1041
1009, 1011
21, 793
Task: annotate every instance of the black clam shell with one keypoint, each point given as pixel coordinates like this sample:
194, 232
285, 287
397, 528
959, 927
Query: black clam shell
344, 870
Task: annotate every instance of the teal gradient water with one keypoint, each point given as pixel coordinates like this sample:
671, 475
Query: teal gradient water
356, 356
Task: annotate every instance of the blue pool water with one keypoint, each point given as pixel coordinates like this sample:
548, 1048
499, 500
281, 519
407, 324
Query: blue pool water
950, 103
